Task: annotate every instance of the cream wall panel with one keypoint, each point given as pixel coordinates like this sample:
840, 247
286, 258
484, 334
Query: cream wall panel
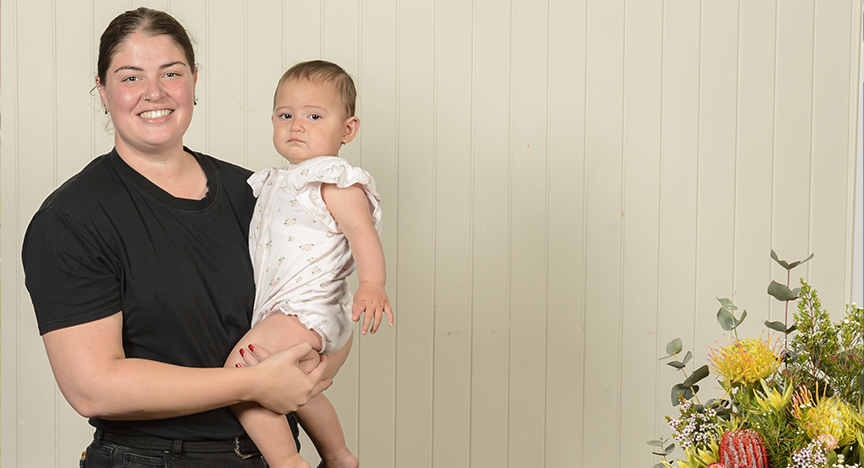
378, 82
604, 114
565, 304
754, 160
641, 413
36, 94
715, 160
453, 267
415, 266
793, 102
227, 106
528, 228
13, 296
567, 186
830, 230
491, 244
678, 184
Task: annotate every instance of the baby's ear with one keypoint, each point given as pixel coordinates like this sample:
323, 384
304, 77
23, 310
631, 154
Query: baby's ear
350, 129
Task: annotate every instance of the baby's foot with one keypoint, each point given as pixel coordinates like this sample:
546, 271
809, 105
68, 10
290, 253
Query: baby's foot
341, 459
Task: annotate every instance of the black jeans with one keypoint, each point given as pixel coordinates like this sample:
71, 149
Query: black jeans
107, 455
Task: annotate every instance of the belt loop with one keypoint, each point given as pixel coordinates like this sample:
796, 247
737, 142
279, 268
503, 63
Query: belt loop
98, 435
178, 446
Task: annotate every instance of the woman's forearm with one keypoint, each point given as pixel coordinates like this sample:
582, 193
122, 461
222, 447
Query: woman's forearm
99, 381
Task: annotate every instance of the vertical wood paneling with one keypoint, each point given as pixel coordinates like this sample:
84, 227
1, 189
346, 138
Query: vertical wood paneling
678, 183
453, 164
226, 95
38, 400
263, 69
832, 42
528, 248
565, 227
491, 248
377, 354
415, 270
716, 175
604, 147
566, 187
792, 139
13, 295
754, 181
641, 146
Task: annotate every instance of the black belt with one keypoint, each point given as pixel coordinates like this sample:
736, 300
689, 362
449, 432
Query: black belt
242, 446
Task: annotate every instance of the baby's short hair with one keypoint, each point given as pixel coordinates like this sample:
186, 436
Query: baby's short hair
321, 71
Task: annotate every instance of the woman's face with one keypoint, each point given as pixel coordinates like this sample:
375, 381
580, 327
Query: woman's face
149, 92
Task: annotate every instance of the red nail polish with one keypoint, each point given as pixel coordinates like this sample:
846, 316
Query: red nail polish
252, 348
242, 352
238, 365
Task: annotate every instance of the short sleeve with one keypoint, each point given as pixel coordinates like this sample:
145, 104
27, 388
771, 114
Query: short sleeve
341, 174
258, 179
71, 279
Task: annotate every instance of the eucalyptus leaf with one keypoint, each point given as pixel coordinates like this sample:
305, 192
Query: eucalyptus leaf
669, 449
792, 328
781, 292
676, 364
674, 347
679, 391
659, 465
777, 259
776, 326
743, 316
727, 304
725, 319
687, 357
655, 443
696, 376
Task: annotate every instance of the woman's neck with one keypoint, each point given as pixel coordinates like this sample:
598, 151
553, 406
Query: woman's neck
177, 172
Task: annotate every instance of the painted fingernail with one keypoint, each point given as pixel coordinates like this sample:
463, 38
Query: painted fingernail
242, 352
252, 348
238, 365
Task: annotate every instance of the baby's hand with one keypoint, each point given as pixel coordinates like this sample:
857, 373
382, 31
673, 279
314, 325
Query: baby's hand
372, 300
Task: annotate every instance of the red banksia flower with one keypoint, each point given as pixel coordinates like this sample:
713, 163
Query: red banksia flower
743, 449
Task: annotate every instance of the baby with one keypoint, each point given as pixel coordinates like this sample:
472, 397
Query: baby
313, 220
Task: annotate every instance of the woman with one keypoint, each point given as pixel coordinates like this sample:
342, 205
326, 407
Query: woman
139, 273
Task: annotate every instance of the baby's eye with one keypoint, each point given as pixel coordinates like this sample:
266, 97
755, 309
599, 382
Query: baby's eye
285, 116
314, 117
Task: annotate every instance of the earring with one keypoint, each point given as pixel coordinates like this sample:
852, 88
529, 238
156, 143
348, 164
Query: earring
194, 100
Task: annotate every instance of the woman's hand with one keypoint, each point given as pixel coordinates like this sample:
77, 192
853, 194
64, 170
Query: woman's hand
371, 299
288, 379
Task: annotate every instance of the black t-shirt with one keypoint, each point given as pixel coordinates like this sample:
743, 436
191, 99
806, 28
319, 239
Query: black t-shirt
109, 240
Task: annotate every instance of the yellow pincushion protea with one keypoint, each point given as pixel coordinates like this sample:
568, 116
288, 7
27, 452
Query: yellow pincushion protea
828, 416
744, 361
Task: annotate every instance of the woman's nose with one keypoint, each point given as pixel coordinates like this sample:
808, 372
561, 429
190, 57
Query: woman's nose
153, 91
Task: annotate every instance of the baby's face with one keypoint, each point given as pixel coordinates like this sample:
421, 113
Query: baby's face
309, 121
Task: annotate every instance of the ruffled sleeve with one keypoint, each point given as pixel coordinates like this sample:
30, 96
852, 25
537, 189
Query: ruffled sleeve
336, 171
258, 179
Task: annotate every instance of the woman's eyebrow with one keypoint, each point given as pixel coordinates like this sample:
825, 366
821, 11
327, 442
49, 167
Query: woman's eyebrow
139, 69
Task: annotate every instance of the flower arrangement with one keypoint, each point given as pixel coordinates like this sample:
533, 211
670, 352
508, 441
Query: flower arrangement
792, 397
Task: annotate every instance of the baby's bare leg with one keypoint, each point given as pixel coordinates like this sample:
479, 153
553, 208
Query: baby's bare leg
321, 423
270, 431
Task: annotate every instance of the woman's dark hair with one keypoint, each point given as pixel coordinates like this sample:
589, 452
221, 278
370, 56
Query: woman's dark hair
145, 21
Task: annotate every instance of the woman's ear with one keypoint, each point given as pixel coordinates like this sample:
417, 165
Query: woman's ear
350, 129
102, 94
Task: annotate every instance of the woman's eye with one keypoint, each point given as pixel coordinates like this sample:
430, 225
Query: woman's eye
130, 78
172, 74
314, 116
